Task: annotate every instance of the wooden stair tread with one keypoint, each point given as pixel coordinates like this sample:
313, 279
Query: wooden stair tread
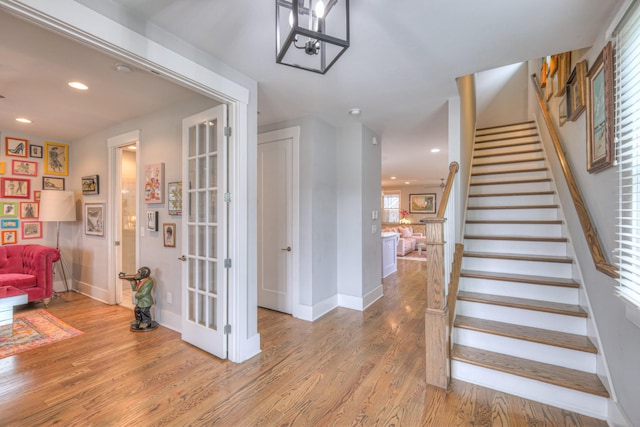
524, 193
514, 221
518, 238
528, 122
514, 144
524, 303
509, 171
506, 138
527, 333
521, 278
516, 181
551, 374
476, 208
520, 257
506, 162
511, 153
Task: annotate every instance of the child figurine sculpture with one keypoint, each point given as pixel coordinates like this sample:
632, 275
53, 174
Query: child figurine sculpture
142, 286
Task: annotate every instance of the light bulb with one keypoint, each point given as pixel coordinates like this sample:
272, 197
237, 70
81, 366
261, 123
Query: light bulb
320, 9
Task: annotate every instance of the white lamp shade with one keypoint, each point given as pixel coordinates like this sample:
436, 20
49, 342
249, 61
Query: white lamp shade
57, 206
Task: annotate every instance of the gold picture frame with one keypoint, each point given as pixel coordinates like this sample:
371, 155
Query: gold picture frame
564, 68
600, 117
56, 159
576, 92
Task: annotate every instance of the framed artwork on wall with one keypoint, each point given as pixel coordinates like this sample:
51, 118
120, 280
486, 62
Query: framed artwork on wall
9, 209
56, 158
94, 219
152, 220
174, 196
154, 183
16, 147
1, 168
564, 68
24, 167
169, 235
91, 184
52, 183
424, 203
15, 188
29, 210
9, 237
562, 111
576, 92
35, 151
9, 223
600, 149
31, 229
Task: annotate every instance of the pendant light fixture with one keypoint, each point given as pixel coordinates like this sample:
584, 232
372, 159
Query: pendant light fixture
311, 34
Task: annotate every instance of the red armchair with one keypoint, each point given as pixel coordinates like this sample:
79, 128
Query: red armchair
29, 268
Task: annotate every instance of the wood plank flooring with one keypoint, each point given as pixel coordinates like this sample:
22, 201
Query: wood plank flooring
346, 369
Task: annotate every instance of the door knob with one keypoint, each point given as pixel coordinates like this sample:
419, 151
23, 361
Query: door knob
288, 249
182, 258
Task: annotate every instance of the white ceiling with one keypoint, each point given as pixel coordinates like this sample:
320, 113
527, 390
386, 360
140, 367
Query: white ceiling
400, 68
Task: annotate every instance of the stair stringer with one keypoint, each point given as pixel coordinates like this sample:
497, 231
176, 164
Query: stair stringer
573, 400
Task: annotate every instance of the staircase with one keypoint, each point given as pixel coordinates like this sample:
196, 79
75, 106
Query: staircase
520, 327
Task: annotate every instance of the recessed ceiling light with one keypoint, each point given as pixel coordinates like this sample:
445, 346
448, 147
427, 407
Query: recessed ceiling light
23, 120
355, 111
78, 85
407, 182
435, 150
393, 177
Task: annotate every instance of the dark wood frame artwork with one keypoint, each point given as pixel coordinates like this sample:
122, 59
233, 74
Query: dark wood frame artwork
576, 93
600, 116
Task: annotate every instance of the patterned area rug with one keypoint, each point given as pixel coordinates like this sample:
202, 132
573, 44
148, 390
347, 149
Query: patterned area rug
33, 329
413, 256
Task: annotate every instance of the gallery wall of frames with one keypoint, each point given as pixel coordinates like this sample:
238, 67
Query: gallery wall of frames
27, 167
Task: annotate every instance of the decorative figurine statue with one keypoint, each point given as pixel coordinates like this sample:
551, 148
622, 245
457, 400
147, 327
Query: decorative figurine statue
142, 287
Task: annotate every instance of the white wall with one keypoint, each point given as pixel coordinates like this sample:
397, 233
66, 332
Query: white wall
620, 338
502, 95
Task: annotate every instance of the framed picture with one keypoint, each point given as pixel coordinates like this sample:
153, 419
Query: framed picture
9, 237
9, 223
94, 219
35, 151
169, 235
562, 110
24, 167
599, 83
548, 90
154, 183
9, 209
423, 203
16, 147
29, 210
56, 158
16, 188
575, 91
31, 229
1, 168
36, 195
564, 68
152, 220
91, 184
52, 183
544, 71
174, 196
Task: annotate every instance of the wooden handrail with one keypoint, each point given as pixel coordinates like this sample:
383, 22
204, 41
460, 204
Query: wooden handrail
453, 168
597, 253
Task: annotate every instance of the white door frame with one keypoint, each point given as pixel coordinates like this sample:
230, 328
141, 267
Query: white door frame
113, 207
293, 133
80, 23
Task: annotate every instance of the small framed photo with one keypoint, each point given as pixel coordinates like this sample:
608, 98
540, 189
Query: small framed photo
24, 167
29, 210
1, 168
35, 151
16, 147
9, 223
424, 203
169, 235
152, 220
9, 209
576, 97
36, 195
9, 237
562, 110
15, 188
91, 184
174, 196
94, 219
31, 229
154, 183
52, 183
600, 116
564, 68
56, 158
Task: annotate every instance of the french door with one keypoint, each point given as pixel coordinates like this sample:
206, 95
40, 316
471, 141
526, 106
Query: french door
204, 231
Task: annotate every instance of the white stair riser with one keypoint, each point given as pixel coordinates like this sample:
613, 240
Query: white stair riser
503, 153
532, 164
520, 200
510, 188
513, 214
508, 156
512, 176
516, 247
549, 394
536, 319
518, 127
544, 269
572, 359
529, 230
520, 290
483, 142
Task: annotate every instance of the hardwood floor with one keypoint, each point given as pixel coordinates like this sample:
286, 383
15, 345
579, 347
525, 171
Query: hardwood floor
348, 368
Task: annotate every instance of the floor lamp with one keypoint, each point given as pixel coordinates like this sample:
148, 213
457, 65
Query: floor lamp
58, 206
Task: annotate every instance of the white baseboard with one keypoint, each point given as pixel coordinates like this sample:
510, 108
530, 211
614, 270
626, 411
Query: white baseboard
360, 303
250, 348
373, 296
169, 320
99, 294
617, 417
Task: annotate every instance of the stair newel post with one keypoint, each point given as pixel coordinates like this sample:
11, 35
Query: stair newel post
437, 312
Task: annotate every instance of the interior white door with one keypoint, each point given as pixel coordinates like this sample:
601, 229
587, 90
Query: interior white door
204, 231
275, 224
